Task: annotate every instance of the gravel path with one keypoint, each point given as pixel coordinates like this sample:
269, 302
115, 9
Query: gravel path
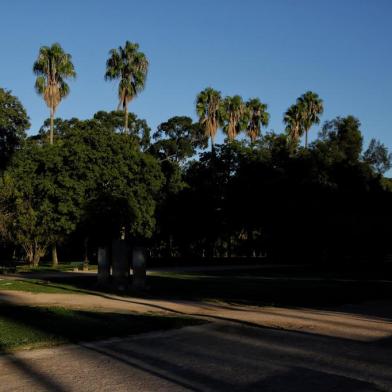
243, 349
213, 357
345, 322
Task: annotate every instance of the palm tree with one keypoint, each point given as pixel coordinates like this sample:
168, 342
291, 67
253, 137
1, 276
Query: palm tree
208, 108
311, 107
129, 66
293, 120
258, 117
234, 116
52, 67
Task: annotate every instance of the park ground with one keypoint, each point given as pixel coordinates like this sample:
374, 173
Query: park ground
224, 328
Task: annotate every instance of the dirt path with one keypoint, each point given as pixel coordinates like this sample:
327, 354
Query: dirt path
356, 322
219, 356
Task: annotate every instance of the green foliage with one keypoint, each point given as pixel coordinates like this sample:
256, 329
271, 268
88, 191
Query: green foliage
121, 183
178, 139
378, 157
13, 125
343, 139
248, 199
93, 177
41, 201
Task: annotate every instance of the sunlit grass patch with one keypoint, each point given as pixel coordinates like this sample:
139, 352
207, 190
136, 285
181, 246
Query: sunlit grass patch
31, 327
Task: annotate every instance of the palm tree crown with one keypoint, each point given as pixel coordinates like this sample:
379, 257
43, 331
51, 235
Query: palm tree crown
208, 108
234, 116
258, 117
52, 67
293, 120
128, 65
311, 107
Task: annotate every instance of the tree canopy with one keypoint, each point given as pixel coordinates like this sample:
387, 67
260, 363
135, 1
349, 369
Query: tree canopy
13, 125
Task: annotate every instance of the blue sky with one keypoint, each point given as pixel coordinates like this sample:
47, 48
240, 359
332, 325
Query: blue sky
272, 49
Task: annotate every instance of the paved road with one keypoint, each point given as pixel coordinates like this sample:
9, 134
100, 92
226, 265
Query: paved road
218, 356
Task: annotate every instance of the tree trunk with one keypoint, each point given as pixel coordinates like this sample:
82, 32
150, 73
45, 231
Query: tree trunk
36, 259
212, 146
306, 139
51, 126
55, 260
29, 255
126, 119
85, 260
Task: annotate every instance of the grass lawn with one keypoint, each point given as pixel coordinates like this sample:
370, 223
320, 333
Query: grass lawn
259, 288
31, 327
61, 267
37, 286
277, 286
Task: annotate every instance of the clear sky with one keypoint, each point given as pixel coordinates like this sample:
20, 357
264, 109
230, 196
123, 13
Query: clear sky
272, 49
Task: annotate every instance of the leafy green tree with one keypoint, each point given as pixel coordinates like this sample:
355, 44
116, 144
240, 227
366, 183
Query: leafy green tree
234, 116
178, 139
311, 107
40, 201
121, 183
378, 157
13, 125
94, 180
52, 67
128, 65
258, 117
343, 139
208, 108
138, 129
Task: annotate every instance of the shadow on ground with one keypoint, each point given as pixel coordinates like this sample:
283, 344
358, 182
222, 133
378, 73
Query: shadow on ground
214, 357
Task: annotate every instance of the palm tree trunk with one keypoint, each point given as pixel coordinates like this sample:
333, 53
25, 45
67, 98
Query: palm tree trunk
126, 119
212, 146
306, 139
55, 260
51, 125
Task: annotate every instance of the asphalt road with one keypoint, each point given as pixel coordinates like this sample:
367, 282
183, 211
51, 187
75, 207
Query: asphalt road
218, 356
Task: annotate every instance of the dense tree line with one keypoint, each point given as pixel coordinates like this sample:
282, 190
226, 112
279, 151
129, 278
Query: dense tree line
78, 184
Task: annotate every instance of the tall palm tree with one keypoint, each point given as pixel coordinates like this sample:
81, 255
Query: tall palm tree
311, 107
128, 65
52, 67
293, 120
258, 117
234, 116
208, 108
